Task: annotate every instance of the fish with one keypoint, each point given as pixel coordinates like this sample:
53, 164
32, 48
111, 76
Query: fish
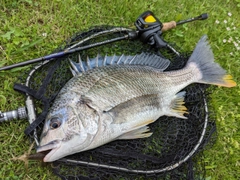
117, 97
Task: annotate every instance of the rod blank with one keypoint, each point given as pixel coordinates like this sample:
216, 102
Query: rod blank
201, 17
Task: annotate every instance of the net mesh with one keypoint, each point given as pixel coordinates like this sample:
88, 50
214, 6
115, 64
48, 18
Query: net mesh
174, 151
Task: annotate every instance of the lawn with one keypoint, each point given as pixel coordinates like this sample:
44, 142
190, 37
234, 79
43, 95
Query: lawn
30, 29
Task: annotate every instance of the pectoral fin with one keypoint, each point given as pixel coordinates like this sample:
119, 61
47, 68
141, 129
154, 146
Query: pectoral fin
177, 106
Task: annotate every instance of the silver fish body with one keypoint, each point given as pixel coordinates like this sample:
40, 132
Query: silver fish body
119, 100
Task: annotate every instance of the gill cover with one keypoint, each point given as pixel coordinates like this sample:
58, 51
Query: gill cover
73, 133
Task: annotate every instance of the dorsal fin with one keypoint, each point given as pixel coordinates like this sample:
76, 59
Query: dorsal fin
104, 60
96, 61
119, 60
145, 59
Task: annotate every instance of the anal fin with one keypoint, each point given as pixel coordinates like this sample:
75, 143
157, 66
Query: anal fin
142, 132
177, 106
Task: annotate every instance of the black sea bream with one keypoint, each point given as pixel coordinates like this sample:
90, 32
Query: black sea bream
120, 96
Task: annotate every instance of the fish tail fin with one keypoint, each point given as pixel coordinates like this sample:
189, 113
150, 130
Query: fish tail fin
208, 71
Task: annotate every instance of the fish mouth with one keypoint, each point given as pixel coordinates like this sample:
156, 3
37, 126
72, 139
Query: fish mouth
49, 149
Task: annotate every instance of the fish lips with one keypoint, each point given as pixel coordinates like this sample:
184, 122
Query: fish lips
51, 148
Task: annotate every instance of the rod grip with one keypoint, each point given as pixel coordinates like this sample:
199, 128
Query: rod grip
168, 25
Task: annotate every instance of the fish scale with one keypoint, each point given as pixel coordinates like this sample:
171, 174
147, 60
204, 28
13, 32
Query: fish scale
137, 81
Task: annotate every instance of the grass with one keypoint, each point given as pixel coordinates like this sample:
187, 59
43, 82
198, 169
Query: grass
30, 29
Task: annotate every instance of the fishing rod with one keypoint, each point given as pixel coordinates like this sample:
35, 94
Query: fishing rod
149, 29
73, 49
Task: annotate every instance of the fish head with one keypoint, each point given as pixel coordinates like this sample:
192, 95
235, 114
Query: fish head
68, 129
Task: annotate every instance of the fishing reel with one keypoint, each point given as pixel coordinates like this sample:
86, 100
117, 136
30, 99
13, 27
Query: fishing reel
150, 29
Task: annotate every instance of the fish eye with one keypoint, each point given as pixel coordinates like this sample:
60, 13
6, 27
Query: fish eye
55, 123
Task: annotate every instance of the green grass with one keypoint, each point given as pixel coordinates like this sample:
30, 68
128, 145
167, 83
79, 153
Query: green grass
30, 29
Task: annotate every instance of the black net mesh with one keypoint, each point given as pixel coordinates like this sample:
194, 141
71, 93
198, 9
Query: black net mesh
174, 151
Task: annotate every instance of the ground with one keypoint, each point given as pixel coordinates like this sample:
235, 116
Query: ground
30, 29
